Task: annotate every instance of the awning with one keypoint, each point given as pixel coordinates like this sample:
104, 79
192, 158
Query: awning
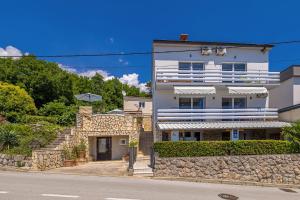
247, 90
194, 90
220, 125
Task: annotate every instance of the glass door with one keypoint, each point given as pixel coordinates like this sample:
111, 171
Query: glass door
104, 148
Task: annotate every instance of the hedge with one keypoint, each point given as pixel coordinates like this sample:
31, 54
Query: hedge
223, 148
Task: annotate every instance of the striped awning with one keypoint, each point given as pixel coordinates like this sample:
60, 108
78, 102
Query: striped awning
247, 90
194, 90
220, 125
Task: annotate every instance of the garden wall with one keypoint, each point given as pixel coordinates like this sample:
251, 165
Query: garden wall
274, 169
47, 159
15, 161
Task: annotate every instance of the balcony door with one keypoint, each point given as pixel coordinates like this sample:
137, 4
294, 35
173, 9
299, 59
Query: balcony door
191, 103
194, 67
234, 103
233, 67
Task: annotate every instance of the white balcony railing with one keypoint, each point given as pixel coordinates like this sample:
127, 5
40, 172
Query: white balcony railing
217, 114
216, 77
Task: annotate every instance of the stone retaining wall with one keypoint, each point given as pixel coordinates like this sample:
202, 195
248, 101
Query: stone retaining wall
15, 161
273, 169
47, 159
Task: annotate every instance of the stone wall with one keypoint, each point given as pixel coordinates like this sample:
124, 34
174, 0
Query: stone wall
47, 159
15, 161
273, 169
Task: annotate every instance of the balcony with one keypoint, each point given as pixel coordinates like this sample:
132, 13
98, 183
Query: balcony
173, 76
217, 114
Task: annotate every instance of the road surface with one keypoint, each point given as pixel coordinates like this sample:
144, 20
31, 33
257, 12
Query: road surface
45, 186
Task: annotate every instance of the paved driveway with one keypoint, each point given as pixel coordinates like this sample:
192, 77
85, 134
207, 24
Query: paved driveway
102, 168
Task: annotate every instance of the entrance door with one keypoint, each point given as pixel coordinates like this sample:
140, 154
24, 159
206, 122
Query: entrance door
104, 148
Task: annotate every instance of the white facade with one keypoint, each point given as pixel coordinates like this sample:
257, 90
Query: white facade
250, 68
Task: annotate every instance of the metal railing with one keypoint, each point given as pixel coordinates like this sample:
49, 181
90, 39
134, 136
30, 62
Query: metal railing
217, 114
170, 75
132, 157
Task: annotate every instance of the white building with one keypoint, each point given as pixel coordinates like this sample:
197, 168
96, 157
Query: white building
212, 91
286, 96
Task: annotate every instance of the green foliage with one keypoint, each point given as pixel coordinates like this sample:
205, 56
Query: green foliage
82, 146
46, 82
15, 101
69, 153
8, 138
29, 136
64, 115
223, 148
292, 132
133, 143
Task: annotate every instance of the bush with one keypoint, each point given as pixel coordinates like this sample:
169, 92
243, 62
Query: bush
29, 137
8, 139
292, 132
13, 99
63, 114
224, 148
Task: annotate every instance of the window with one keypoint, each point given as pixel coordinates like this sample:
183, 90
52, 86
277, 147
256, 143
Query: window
191, 66
123, 141
185, 103
225, 135
190, 102
184, 66
165, 136
234, 67
236, 103
198, 103
141, 104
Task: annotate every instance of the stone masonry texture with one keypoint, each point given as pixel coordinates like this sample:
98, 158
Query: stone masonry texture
271, 169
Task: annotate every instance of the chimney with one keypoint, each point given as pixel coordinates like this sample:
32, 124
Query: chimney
184, 37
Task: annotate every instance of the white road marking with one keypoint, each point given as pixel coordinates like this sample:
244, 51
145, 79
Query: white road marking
60, 195
3, 192
119, 199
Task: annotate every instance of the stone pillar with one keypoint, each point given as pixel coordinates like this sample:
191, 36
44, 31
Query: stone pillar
234, 134
84, 111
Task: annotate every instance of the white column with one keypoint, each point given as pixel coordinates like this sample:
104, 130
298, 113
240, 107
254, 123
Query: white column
234, 134
175, 136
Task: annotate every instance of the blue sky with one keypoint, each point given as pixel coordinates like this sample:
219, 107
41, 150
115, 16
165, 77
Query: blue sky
90, 26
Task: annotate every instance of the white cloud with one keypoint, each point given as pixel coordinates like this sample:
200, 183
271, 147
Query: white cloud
67, 68
91, 73
129, 79
11, 51
133, 80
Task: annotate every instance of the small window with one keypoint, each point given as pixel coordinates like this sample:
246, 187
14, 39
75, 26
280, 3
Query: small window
142, 104
184, 66
185, 103
123, 141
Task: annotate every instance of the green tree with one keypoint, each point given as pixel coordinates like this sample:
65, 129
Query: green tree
15, 99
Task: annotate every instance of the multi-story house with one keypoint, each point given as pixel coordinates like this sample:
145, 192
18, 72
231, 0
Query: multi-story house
286, 96
212, 91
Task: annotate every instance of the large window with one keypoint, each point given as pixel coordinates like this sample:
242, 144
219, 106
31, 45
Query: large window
191, 66
191, 102
234, 67
236, 103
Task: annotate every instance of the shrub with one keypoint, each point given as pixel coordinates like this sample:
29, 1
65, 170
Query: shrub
82, 146
223, 148
30, 136
13, 99
8, 138
292, 132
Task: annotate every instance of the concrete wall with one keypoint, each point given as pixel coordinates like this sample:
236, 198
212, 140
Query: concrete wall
275, 169
282, 95
290, 116
131, 104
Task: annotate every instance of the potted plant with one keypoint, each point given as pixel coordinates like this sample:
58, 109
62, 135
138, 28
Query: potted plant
126, 157
82, 149
68, 157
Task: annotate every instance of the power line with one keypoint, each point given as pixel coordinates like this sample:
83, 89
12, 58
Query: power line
136, 52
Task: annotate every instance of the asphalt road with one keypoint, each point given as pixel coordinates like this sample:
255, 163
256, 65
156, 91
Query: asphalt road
45, 186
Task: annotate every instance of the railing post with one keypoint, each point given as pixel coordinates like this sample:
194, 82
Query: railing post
131, 158
152, 158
